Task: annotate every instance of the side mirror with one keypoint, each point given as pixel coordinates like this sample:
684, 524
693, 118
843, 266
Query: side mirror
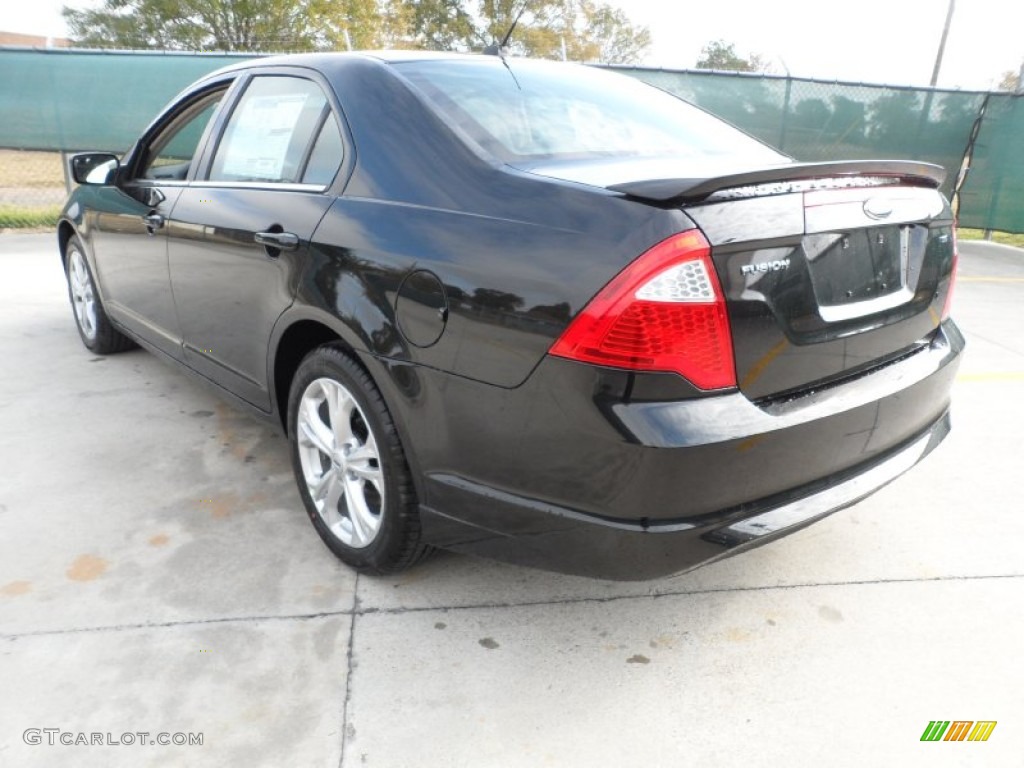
93, 167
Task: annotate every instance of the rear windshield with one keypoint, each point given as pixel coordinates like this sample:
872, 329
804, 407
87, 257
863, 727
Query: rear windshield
532, 110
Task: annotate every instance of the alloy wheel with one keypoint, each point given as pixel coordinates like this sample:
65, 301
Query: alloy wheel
82, 294
340, 462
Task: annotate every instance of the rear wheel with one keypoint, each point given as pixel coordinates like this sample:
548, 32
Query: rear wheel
95, 328
350, 466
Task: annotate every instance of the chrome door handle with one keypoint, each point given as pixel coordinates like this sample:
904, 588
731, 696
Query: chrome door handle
153, 221
282, 241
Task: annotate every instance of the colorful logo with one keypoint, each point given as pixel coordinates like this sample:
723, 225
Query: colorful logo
959, 730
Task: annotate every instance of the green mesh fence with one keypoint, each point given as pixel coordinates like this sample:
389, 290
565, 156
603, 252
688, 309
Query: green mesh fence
60, 100
813, 120
993, 195
68, 100
54, 99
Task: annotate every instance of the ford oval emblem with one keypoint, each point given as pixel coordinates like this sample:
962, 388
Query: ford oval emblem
878, 208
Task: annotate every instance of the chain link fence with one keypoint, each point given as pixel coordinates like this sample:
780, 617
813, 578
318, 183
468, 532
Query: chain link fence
72, 100
32, 188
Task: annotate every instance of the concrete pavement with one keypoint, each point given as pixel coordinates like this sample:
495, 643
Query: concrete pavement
158, 574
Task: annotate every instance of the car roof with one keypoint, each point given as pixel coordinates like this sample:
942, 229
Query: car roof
331, 59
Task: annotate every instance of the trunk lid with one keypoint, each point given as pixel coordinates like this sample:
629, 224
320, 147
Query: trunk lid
829, 269
827, 281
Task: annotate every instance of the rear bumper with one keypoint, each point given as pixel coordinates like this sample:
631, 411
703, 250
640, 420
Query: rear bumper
560, 539
597, 483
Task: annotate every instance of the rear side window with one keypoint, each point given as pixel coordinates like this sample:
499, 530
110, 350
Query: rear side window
543, 110
271, 131
325, 159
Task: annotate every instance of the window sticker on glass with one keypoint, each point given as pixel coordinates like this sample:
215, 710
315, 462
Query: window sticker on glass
258, 139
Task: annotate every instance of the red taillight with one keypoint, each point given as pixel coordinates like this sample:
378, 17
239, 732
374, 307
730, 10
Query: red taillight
948, 303
664, 312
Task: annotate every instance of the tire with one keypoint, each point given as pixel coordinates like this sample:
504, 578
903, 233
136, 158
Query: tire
350, 466
95, 328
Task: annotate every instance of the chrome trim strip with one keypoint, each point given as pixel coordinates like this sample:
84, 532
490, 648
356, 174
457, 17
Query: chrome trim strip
203, 184
146, 183
733, 417
833, 313
833, 498
910, 205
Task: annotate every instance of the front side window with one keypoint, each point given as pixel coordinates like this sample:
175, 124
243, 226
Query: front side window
171, 153
270, 135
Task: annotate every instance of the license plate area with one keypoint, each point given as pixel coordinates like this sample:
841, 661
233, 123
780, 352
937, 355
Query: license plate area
864, 271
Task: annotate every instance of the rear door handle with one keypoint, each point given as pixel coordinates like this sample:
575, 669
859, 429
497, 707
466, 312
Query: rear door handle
282, 241
153, 221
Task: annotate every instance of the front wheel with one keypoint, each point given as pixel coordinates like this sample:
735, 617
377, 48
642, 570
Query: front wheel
350, 466
95, 328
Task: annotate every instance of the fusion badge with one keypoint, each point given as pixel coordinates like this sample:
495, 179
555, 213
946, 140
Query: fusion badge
764, 266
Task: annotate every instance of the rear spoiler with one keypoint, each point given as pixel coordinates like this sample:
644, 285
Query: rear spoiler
695, 190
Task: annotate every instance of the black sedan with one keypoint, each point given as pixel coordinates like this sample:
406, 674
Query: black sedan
534, 311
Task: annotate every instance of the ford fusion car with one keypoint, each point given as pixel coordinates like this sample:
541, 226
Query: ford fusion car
527, 310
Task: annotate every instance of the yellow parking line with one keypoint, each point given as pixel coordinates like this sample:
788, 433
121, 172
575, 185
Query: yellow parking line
758, 368
992, 376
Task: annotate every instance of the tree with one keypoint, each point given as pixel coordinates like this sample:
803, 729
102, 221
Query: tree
589, 30
1011, 81
849, 121
892, 120
811, 115
227, 25
367, 23
586, 30
611, 36
718, 54
441, 25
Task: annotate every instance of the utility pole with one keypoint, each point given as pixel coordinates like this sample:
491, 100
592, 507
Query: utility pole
942, 44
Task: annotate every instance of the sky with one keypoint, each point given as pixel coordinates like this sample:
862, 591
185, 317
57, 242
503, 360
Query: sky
878, 41
874, 41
